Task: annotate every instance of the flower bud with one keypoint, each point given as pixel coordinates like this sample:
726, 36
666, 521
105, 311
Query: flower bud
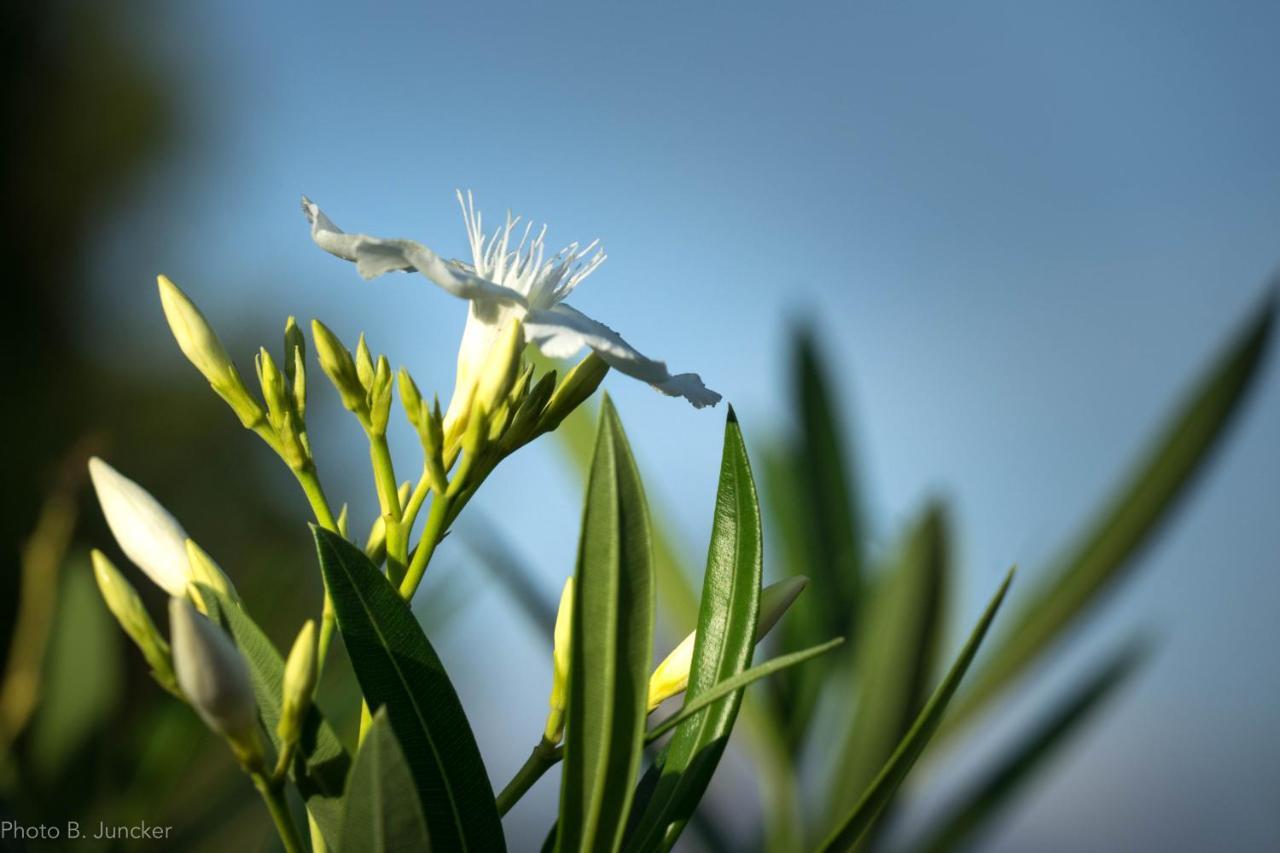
579, 384
214, 678
300, 672
123, 602
364, 363
273, 388
672, 675
560, 665
336, 361
380, 393
501, 367
411, 399
149, 536
205, 572
525, 423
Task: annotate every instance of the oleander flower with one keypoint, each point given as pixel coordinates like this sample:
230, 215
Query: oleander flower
508, 281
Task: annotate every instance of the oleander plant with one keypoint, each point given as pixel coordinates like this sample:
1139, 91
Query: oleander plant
849, 643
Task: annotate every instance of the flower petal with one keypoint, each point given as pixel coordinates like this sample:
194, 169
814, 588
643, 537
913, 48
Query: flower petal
562, 331
374, 256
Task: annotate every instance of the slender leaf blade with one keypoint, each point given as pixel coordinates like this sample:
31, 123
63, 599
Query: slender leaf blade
397, 668
723, 648
1079, 579
383, 814
611, 649
881, 791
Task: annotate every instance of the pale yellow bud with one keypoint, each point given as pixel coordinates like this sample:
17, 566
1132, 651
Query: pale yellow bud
335, 360
123, 602
501, 367
205, 572
300, 672
560, 665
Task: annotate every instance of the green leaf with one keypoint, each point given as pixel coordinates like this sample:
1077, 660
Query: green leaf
895, 658
882, 790
1009, 777
737, 682
1078, 580
397, 668
725, 639
611, 650
320, 767
383, 814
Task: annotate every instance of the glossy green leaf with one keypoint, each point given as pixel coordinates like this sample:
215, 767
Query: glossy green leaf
321, 763
383, 814
882, 789
1079, 579
982, 802
611, 650
397, 668
895, 658
723, 648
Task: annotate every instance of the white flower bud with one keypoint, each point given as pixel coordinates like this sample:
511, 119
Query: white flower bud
213, 675
146, 532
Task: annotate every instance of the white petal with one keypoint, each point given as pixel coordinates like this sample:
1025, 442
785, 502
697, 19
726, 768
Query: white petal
149, 536
562, 331
375, 256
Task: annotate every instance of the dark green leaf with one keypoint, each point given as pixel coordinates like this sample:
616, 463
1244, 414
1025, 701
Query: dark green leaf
882, 790
725, 639
983, 801
895, 658
383, 814
611, 650
1078, 580
320, 768
397, 668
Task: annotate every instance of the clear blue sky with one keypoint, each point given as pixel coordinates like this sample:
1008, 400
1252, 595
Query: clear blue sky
1021, 227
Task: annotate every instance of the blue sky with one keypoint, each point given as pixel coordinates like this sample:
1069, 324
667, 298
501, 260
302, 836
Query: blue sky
1019, 227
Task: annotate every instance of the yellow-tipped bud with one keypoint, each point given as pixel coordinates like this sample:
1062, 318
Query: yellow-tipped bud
205, 572
299, 684
501, 367
560, 665
579, 384
336, 362
123, 602
200, 344
364, 363
380, 393
273, 387
342, 521
672, 675
411, 399
295, 365
215, 679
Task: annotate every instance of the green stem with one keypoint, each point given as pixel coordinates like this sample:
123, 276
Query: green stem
273, 796
437, 518
419, 496
310, 482
384, 475
543, 758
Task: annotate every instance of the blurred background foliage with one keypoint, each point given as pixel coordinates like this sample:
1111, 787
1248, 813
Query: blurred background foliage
85, 734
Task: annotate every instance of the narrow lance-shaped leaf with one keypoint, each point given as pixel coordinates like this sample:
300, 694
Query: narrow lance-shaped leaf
321, 763
725, 639
611, 649
886, 784
397, 668
1078, 580
984, 801
894, 659
383, 814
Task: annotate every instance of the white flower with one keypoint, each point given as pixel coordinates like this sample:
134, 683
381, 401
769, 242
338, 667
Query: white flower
146, 532
505, 282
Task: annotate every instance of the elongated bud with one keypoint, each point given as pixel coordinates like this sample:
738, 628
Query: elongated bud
336, 362
411, 399
380, 393
214, 678
342, 521
432, 436
579, 384
364, 363
273, 388
672, 675
501, 367
560, 665
525, 423
149, 536
205, 572
299, 684
123, 602
474, 443
200, 344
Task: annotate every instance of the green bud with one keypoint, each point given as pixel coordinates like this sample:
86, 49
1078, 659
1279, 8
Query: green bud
411, 399
580, 383
432, 435
336, 362
563, 636
299, 684
474, 442
364, 363
342, 521
380, 393
273, 388
525, 423
123, 602
203, 571
295, 365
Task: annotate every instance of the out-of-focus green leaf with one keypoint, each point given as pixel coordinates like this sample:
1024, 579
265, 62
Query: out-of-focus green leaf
982, 802
611, 650
882, 790
1089, 568
725, 639
383, 814
397, 668
895, 658
82, 675
321, 763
